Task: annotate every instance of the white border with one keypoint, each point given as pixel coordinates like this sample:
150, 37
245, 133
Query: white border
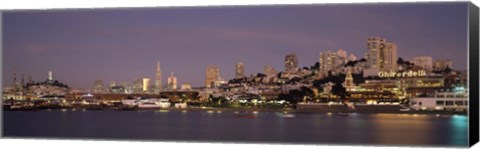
58, 4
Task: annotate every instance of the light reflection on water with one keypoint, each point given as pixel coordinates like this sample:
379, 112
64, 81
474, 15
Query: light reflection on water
379, 129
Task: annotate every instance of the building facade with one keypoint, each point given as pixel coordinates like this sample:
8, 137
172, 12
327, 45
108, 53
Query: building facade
381, 55
212, 73
424, 61
291, 63
440, 65
172, 82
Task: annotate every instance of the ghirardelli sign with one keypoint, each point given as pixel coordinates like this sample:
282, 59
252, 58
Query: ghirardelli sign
393, 74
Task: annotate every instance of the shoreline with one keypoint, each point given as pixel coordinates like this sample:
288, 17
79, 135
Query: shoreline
247, 110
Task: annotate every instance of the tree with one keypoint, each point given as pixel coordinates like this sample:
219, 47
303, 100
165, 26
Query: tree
340, 91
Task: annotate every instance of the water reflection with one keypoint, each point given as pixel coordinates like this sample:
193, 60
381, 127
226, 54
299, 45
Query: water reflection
379, 129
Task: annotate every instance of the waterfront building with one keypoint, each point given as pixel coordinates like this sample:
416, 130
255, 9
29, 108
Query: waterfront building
440, 65
172, 82
291, 63
158, 79
98, 86
424, 61
381, 55
240, 70
212, 73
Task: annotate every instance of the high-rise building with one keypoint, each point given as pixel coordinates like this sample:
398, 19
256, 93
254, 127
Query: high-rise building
381, 55
98, 86
137, 85
269, 71
145, 85
326, 61
424, 61
291, 63
158, 79
212, 74
240, 70
440, 65
172, 82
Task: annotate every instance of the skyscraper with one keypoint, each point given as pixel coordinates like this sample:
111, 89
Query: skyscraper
212, 73
381, 55
98, 86
326, 60
424, 61
291, 63
158, 79
172, 82
145, 84
240, 70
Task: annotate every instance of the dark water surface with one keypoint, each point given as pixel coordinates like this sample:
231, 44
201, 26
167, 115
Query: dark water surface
270, 127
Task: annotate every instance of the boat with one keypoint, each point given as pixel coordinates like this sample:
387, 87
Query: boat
153, 103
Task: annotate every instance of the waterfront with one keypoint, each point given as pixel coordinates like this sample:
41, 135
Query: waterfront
224, 126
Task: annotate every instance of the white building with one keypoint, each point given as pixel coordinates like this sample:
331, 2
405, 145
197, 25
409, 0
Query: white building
424, 61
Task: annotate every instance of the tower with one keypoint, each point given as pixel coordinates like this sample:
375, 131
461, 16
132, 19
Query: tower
50, 76
348, 83
239, 70
158, 79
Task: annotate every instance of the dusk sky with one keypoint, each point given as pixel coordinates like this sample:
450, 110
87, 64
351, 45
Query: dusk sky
81, 46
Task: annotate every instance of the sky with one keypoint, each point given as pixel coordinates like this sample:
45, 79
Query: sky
84, 45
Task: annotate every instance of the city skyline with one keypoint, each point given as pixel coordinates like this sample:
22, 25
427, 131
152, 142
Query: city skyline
109, 47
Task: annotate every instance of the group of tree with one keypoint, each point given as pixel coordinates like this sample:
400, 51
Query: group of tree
47, 82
